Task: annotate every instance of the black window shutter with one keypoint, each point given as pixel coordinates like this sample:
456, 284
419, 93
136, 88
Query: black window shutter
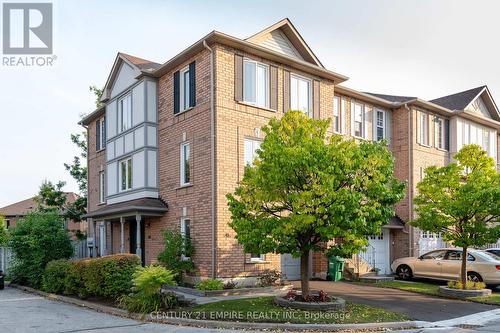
192, 84
104, 132
176, 92
447, 134
97, 134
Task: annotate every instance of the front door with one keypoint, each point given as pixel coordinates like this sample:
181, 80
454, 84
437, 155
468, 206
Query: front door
380, 244
133, 239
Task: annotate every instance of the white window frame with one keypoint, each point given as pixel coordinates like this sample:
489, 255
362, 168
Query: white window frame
439, 126
102, 187
102, 131
423, 133
299, 78
255, 145
128, 175
377, 126
122, 127
183, 161
257, 84
354, 121
183, 233
257, 257
337, 115
184, 93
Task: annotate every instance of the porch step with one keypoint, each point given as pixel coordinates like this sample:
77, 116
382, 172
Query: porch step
376, 278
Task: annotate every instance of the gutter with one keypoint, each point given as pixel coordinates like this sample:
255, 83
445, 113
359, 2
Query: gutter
212, 155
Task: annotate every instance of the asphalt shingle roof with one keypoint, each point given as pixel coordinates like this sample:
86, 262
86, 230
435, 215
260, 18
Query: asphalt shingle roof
142, 64
459, 100
23, 207
392, 98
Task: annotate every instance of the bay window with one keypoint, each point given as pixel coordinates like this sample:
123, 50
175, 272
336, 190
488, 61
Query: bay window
256, 83
125, 113
300, 94
126, 174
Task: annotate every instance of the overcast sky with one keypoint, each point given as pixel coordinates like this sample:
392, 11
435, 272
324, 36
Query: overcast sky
424, 48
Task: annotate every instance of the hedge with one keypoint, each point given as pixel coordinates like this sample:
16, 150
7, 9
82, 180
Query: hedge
108, 276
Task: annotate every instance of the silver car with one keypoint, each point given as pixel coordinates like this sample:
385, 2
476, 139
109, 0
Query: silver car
445, 264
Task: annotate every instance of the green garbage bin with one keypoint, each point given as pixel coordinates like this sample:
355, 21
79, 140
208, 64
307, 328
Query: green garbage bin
335, 268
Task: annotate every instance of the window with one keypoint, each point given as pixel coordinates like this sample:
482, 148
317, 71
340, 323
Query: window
440, 133
336, 115
486, 141
185, 166
100, 134
184, 85
7, 224
251, 147
457, 255
125, 113
380, 125
300, 94
358, 119
126, 174
256, 83
434, 255
186, 231
423, 128
101, 187
256, 257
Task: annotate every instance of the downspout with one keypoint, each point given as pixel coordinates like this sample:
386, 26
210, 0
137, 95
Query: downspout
212, 155
410, 176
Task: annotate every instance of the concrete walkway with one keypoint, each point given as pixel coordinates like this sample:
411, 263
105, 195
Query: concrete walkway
416, 306
212, 299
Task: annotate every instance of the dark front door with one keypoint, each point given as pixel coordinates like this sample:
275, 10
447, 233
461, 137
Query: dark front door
133, 238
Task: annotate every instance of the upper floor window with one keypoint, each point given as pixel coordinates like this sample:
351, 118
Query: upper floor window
256, 83
185, 88
380, 124
101, 187
125, 113
336, 115
100, 142
251, 147
185, 165
358, 119
423, 128
125, 174
441, 133
300, 94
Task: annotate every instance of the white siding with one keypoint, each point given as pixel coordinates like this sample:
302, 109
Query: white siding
277, 41
152, 166
129, 142
112, 178
151, 101
119, 146
138, 104
138, 166
125, 78
151, 136
111, 119
139, 137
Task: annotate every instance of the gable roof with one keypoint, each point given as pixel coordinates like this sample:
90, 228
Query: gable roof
458, 101
393, 98
23, 207
140, 66
272, 37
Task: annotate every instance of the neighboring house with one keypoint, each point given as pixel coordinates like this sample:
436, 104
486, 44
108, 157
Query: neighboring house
19, 210
172, 139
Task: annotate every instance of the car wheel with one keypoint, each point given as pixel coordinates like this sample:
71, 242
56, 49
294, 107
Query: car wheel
404, 272
474, 277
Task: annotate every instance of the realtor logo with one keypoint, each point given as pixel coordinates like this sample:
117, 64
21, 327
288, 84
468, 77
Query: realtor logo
27, 28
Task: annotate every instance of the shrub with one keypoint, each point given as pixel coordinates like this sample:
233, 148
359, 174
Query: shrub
4, 233
210, 284
176, 256
147, 296
270, 278
38, 238
470, 285
54, 276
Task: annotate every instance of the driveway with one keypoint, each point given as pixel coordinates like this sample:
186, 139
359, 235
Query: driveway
23, 312
416, 306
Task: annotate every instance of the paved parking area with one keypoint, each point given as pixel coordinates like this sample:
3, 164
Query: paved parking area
416, 306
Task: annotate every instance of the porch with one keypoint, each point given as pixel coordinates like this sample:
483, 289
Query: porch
120, 227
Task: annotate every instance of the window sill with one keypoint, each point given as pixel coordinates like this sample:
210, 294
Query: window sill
102, 149
256, 106
258, 262
184, 186
442, 149
101, 204
184, 111
424, 145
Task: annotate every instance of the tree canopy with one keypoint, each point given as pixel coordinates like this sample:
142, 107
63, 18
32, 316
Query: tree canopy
307, 188
461, 200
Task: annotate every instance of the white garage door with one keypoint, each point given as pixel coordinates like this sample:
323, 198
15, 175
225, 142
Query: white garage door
290, 266
430, 241
380, 247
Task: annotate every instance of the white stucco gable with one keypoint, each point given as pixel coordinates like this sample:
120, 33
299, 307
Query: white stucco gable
125, 78
484, 105
277, 41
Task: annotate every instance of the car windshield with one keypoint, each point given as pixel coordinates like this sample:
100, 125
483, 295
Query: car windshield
489, 255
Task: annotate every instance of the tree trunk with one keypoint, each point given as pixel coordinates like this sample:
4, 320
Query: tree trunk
304, 274
463, 269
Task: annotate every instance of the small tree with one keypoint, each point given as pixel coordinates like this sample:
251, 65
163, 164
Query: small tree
461, 201
37, 239
306, 189
51, 197
176, 256
4, 233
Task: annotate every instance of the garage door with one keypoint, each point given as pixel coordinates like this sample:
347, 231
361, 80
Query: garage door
290, 266
380, 247
430, 241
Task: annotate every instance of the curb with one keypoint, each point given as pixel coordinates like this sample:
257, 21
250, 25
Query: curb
226, 324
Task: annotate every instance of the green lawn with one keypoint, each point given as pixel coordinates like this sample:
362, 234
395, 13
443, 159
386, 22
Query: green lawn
262, 309
429, 289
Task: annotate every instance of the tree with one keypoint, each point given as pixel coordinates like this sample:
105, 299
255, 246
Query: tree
176, 256
98, 94
461, 201
4, 233
51, 197
35, 240
307, 188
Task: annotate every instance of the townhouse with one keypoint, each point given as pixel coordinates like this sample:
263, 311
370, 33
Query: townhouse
172, 139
